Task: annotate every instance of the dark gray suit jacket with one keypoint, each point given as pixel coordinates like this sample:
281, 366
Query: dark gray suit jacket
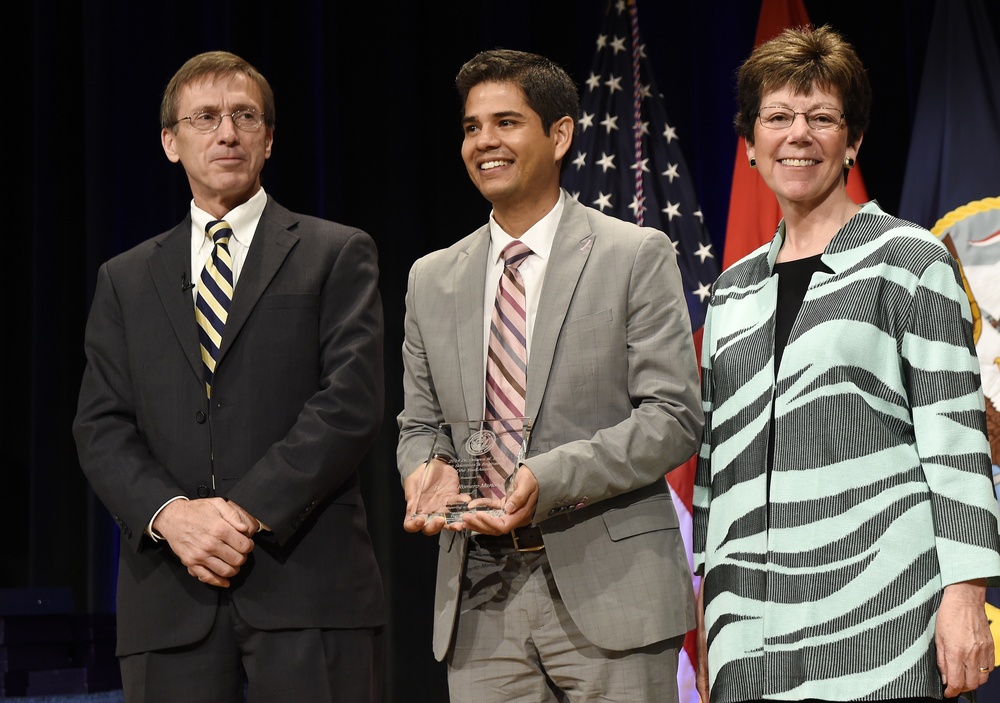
297, 399
612, 390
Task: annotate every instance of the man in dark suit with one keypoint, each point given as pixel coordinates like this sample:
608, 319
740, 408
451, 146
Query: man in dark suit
231, 464
580, 589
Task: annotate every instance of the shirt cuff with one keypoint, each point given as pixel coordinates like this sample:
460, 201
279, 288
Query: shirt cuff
156, 536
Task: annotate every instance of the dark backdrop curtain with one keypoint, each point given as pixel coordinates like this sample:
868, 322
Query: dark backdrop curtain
368, 134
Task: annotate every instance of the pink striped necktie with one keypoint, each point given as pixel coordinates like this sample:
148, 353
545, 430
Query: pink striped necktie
506, 370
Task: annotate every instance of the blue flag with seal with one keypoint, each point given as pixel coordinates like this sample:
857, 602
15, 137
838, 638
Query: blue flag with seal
952, 187
952, 181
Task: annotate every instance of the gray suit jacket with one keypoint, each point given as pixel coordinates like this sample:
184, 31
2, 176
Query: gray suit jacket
613, 395
297, 400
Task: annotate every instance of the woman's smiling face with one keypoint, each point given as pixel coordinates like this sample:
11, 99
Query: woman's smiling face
798, 163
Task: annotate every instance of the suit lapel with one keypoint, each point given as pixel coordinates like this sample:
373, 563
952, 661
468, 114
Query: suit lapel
570, 251
170, 269
271, 243
470, 284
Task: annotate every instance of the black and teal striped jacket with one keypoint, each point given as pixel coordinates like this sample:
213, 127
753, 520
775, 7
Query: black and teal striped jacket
880, 493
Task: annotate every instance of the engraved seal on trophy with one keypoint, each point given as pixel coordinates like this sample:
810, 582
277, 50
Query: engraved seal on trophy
470, 467
480, 442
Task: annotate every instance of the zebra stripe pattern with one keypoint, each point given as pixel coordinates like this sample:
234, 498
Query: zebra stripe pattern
826, 584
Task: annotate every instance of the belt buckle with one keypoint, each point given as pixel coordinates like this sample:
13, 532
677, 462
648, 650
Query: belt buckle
518, 548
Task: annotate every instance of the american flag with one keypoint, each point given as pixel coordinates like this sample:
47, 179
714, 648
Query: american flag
626, 161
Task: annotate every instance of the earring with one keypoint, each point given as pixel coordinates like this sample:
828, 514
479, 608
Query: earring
753, 163
848, 163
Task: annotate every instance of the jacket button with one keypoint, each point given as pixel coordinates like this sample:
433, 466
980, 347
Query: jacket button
203, 491
199, 417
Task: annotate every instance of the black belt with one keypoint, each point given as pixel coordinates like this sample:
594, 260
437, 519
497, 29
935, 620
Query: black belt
523, 539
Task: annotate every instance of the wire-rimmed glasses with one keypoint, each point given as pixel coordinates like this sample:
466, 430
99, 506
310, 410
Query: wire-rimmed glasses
819, 119
247, 119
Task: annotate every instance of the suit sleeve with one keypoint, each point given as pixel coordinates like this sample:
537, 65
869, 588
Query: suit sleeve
421, 412
661, 377
110, 441
338, 423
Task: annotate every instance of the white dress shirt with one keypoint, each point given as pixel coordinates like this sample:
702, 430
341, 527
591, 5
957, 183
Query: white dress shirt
242, 218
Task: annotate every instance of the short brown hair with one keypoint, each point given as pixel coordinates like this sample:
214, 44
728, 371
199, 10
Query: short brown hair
208, 65
803, 58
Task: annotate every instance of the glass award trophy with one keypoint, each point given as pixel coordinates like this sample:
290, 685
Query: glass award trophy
470, 467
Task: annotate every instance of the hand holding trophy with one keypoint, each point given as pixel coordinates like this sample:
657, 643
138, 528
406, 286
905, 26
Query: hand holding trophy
470, 467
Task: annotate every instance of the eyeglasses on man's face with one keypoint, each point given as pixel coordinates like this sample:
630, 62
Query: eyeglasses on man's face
248, 120
819, 119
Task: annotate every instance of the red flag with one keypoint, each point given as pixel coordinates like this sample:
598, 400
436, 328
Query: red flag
753, 209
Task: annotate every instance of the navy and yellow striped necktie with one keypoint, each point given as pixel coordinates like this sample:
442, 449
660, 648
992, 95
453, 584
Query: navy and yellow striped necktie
215, 293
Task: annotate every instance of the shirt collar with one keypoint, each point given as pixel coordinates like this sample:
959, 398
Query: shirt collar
538, 237
242, 218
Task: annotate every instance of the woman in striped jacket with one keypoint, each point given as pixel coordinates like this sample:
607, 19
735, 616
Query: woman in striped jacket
845, 522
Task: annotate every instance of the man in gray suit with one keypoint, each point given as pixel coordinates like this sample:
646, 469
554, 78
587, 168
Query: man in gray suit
579, 589
231, 464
